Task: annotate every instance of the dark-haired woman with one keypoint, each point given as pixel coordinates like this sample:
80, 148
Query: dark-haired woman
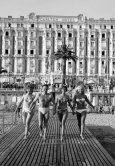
62, 102
80, 102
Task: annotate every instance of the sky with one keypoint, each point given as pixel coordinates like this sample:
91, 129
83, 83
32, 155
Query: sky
89, 8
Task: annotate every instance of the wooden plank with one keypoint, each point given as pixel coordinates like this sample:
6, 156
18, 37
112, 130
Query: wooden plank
18, 149
72, 151
103, 153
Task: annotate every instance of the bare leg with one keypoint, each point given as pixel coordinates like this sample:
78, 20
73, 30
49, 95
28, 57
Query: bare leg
28, 120
63, 124
24, 116
83, 117
79, 120
46, 124
40, 119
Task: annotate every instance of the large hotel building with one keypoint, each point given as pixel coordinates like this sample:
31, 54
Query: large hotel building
27, 44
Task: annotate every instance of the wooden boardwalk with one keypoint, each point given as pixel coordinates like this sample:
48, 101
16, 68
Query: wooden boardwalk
15, 151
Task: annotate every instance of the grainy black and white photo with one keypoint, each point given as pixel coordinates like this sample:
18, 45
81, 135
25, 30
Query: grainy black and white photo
57, 83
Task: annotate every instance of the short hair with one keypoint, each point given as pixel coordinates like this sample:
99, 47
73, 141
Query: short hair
64, 87
80, 83
30, 86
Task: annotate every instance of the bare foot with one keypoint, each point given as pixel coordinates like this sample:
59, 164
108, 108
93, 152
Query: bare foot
44, 137
82, 137
28, 133
41, 134
62, 138
25, 137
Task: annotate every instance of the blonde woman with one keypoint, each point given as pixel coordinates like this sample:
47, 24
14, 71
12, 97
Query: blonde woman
80, 102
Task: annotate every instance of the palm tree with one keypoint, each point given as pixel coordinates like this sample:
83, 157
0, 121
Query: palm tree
65, 54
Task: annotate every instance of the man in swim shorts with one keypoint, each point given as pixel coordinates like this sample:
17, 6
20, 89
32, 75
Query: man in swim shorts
44, 99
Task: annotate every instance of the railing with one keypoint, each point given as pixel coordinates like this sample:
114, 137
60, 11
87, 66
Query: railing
8, 100
7, 119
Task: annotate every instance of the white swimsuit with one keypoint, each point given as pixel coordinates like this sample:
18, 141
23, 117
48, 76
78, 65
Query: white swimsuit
26, 103
44, 110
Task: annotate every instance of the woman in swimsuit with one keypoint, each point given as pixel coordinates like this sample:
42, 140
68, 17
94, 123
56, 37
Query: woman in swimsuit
62, 102
27, 113
80, 101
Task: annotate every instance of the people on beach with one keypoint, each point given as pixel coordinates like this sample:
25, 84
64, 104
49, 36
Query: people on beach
44, 98
80, 102
62, 102
27, 113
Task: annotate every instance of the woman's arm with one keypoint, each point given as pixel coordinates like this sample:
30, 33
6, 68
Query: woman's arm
74, 103
87, 100
54, 104
18, 106
34, 102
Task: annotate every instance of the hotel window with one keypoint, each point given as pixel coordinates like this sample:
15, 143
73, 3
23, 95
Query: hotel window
7, 34
104, 26
114, 65
68, 26
92, 53
47, 34
58, 66
92, 36
32, 25
19, 34
80, 27
19, 43
103, 53
19, 52
69, 65
92, 44
113, 53
113, 44
61, 26
32, 34
103, 43
18, 25
90, 27
31, 43
22, 25
70, 35
18, 71
103, 35
113, 72
81, 44
80, 72
80, 64
6, 43
50, 26
31, 52
47, 52
81, 36
6, 51
59, 34
111, 26
113, 35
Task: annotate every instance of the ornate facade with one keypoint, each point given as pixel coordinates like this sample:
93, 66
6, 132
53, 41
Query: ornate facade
27, 44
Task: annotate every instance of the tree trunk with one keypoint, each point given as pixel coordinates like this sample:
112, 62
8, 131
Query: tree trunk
64, 72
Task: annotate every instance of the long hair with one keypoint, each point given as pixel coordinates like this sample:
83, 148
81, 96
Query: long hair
82, 87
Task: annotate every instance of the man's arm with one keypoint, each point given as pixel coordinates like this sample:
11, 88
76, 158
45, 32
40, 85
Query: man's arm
74, 103
34, 101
